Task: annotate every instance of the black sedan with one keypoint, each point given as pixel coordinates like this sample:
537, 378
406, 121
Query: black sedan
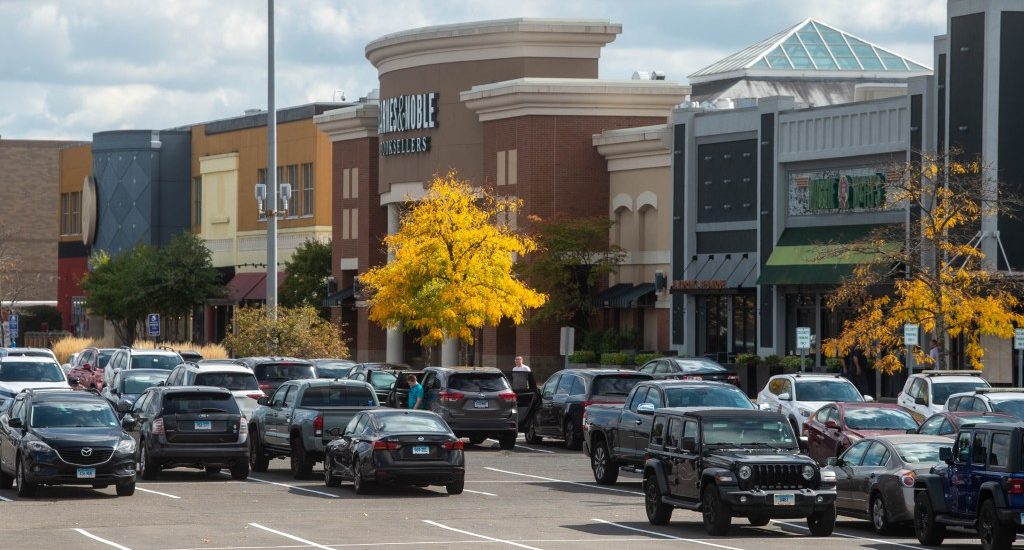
689, 368
401, 447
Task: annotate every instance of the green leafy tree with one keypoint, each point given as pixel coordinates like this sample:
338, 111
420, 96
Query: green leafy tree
296, 332
123, 288
187, 278
306, 273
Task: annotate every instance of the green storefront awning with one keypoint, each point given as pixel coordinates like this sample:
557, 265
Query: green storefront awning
817, 255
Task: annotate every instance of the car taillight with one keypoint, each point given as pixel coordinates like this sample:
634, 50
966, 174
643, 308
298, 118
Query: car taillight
243, 427
507, 396
158, 426
1016, 486
265, 386
385, 445
454, 445
451, 396
318, 425
255, 396
691, 377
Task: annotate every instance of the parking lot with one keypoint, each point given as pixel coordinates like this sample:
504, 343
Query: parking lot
540, 497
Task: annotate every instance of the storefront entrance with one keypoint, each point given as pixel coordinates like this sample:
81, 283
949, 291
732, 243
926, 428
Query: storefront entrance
726, 325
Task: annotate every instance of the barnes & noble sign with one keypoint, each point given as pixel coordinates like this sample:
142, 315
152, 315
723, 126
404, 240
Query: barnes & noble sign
837, 191
403, 114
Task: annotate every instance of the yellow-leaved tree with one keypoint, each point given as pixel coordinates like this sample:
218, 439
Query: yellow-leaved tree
452, 268
936, 274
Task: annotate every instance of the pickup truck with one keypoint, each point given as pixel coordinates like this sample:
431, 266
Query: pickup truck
615, 436
301, 418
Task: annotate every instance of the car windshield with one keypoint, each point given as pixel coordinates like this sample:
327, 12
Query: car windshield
921, 453
699, 365
338, 396
284, 371
162, 362
332, 371
616, 384
412, 423
879, 419
478, 382
707, 397
199, 402
234, 381
72, 415
105, 356
17, 371
942, 390
382, 379
1013, 407
135, 385
748, 431
827, 390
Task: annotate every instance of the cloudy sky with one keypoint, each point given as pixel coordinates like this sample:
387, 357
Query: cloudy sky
73, 67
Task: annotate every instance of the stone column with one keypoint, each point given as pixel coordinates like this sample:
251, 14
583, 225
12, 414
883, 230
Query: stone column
394, 352
450, 352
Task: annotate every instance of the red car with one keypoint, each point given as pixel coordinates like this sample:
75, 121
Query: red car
89, 365
836, 426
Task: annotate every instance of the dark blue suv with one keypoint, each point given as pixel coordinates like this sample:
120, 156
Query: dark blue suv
980, 486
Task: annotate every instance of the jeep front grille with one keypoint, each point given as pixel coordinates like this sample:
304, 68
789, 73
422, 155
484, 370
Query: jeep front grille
779, 476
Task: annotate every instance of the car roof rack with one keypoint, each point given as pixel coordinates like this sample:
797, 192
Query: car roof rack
951, 372
828, 374
37, 390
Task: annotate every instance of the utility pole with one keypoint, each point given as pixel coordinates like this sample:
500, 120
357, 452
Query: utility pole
271, 170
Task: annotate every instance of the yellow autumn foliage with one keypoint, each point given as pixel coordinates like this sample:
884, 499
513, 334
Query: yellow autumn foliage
452, 270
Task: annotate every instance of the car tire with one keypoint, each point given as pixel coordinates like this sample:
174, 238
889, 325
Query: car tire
507, 441
928, 531
993, 534
258, 461
715, 513
26, 489
6, 481
658, 513
300, 464
212, 470
144, 466
455, 487
359, 485
240, 470
880, 515
477, 439
573, 436
531, 434
822, 523
330, 480
606, 470
759, 520
126, 489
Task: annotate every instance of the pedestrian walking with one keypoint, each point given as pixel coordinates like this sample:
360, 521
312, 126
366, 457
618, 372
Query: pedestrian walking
520, 366
934, 353
415, 392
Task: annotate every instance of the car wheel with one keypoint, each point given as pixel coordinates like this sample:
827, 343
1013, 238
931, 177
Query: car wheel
928, 531
822, 523
477, 439
573, 437
240, 470
126, 489
658, 513
330, 479
507, 442
717, 516
360, 486
531, 434
212, 470
6, 481
455, 487
26, 489
993, 534
258, 460
758, 520
145, 467
300, 464
606, 471
879, 515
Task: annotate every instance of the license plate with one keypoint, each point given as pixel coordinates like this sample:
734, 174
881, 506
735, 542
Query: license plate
87, 473
204, 425
421, 450
480, 403
785, 500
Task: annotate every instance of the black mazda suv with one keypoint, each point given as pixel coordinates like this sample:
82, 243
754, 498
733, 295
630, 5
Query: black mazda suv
64, 437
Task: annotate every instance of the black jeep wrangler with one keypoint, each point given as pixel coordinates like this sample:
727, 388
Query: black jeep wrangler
733, 462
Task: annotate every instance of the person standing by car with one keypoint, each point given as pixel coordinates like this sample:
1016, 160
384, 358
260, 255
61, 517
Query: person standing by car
934, 354
415, 392
520, 367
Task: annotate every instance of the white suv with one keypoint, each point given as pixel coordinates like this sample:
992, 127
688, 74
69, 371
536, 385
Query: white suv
926, 392
239, 380
797, 396
1002, 400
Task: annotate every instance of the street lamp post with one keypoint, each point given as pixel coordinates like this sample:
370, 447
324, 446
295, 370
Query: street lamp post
271, 170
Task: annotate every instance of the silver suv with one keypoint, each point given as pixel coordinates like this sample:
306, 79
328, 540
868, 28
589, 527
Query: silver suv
476, 402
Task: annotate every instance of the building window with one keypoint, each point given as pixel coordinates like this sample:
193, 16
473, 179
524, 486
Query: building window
197, 200
508, 169
261, 177
292, 175
307, 189
71, 213
354, 220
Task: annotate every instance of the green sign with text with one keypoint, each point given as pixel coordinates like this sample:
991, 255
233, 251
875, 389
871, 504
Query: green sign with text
846, 192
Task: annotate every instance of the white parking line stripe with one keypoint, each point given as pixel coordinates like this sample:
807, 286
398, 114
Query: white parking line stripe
838, 534
601, 487
485, 537
5, 499
294, 487
422, 543
480, 493
104, 541
293, 537
137, 488
663, 535
518, 446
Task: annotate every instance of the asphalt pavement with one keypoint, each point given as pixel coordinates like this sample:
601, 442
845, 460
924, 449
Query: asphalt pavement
536, 497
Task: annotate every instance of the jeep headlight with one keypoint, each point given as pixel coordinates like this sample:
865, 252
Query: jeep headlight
37, 446
808, 472
744, 472
126, 446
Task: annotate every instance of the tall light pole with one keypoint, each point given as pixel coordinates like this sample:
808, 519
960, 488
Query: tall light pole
271, 170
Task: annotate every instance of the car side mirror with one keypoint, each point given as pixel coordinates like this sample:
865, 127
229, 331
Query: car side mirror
265, 400
74, 380
832, 461
921, 400
15, 423
123, 406
645, 409
946, 454
689, 444
785, 396
86, 366
831, 424
128, 422
868, 398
